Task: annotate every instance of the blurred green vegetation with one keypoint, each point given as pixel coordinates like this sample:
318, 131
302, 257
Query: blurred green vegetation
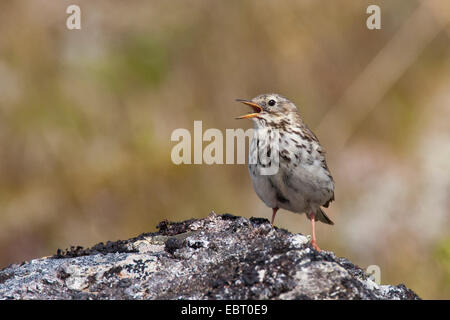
139, 62
86, 118
443, 257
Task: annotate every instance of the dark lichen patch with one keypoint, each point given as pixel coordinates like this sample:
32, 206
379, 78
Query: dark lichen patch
62, 274
172, 244
168, 228
250, 277
228, 216
92, 279
350, 267
351, 286
69, 253
124, 283
112, 272
163, 225
78, 295
195, 244
5, 276
139, 268
119, 246
258, 221
408, 293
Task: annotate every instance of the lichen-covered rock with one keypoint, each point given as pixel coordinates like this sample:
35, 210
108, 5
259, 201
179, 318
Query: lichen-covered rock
219, 257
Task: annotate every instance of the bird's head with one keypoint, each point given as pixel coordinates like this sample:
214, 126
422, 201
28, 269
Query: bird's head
268, 107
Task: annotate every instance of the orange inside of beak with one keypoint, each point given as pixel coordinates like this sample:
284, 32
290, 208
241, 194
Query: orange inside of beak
256, 109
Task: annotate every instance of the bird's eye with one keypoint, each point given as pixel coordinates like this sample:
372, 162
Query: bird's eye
272, 103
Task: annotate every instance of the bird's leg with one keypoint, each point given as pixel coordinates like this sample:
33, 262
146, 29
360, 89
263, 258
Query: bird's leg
312, 216
274, 212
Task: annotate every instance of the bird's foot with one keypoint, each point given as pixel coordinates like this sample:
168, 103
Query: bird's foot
315, 246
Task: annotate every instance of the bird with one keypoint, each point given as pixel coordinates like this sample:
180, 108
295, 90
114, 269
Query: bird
287, 164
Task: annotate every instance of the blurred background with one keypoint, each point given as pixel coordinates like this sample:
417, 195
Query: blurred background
86, 118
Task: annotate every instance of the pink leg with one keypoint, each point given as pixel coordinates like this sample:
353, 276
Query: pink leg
274, 212
314, 241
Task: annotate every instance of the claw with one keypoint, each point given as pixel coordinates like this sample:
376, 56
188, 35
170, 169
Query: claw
315, 246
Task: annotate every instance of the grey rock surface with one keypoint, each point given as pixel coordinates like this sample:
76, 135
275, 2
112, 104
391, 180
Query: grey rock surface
219, 257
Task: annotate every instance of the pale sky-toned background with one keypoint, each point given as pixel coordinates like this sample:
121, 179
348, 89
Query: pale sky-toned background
86, 118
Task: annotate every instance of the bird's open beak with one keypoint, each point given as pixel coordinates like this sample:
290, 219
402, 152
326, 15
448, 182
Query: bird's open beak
256, 109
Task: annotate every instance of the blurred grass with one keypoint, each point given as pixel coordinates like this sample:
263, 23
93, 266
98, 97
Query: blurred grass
86, 118
442, 255
139, 62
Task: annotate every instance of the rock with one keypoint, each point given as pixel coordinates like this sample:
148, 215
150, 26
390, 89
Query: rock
219, 257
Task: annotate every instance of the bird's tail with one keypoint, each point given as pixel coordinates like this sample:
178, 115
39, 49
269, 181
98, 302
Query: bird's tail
322, 217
